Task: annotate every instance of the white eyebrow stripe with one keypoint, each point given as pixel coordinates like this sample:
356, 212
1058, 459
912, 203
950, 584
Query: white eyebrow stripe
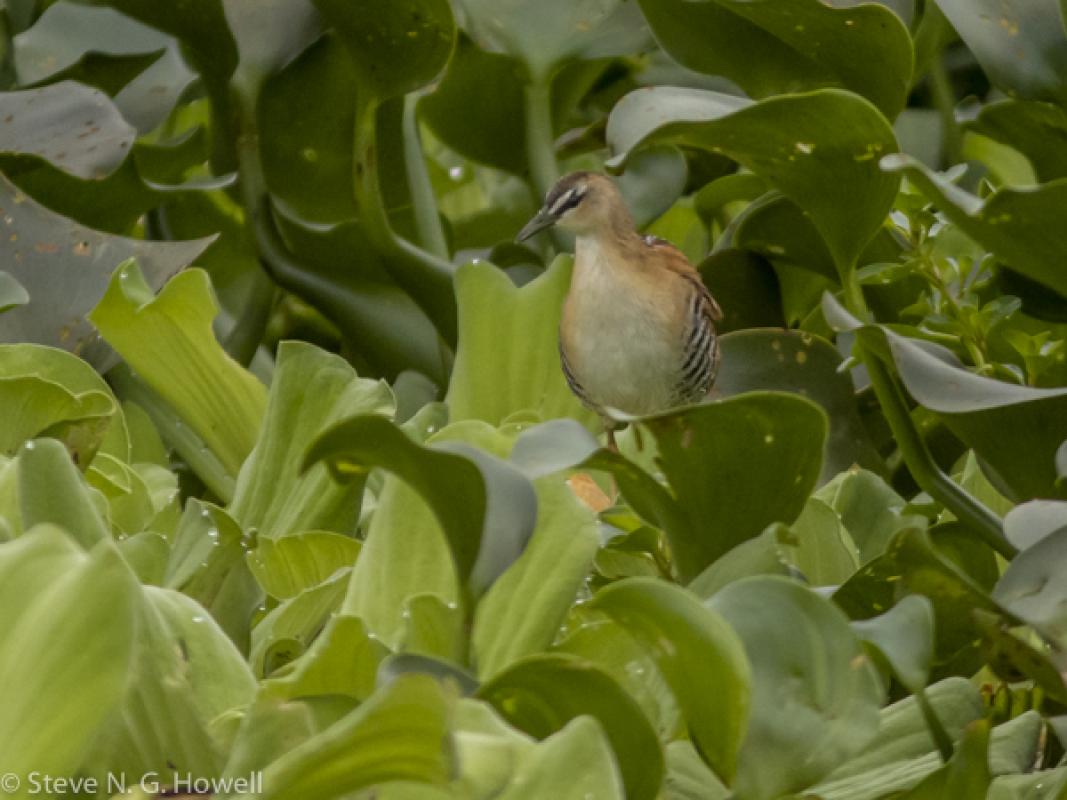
564, 201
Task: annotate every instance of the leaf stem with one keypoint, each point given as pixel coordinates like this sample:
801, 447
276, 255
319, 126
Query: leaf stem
933, 722
427, 218
423, 275
540, 138
968, 509
945, 101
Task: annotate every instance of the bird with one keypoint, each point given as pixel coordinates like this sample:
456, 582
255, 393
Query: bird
637, 333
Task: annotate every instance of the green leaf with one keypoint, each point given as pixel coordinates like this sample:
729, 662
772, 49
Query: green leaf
522, 612
1018, 225
1038, 130
819, 546
540, 694
1032, 586
815, 695
68, 635
71, 126
66, 268
268, 33
735, 467
1014, 430
45, 391
802, 45
168, 340
12, 293
745, 286
310, 390
1022, 48
188, 675
399, 733
289, 565
287, 629
507, 360
51, 490
820, 149
343, 660
109, 50
788, 361
485, 507
397, 46
544, 35
694, 648
904, 636
966, 774
200, 24
871, 511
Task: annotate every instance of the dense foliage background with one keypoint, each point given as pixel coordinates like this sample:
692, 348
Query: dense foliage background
291, 484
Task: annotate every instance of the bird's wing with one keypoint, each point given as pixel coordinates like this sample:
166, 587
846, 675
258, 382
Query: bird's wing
673, 259
700, 354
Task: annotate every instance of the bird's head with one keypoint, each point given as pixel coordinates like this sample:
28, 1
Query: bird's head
579, 203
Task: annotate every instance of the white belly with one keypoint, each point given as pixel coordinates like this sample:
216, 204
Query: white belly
620, 348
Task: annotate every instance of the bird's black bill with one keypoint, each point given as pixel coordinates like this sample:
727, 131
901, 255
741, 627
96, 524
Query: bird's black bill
543, 219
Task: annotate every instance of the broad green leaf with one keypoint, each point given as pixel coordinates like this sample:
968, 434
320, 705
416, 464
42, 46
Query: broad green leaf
207, 563
735, 467
544, 35
268, 33
967, 772
68, 635
805, 44
399, 733
688, 778
46, 391
1047, 784
788, 361
1032, 587
287, 629
574, 764
871, 511
540, 694
904, 636
820, 149
187, 675
168, 340
485, 507
1028, 523
694, 648
903, 738
765, 446
746, 288
287, 566
508, 359
815, 695
98, 46
343, 660
1038, 130
310, 390
609, 645
201, 25
1021, 46
1014, 430
820, 547
65, 268
496, 136
397, 46
51, 490
522, 612
12, 293
1019, 226
764, 555
892, 769
71, 126
130, 506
